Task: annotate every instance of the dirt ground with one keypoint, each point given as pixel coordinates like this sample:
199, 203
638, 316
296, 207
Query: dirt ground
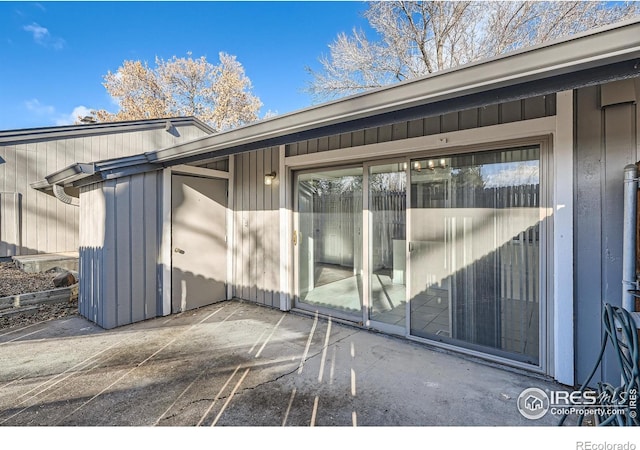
13, 281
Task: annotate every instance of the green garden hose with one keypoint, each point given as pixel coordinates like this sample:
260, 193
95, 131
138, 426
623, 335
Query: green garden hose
622, 331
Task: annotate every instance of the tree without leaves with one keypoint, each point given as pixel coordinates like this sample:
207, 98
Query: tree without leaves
219, 95
414, 39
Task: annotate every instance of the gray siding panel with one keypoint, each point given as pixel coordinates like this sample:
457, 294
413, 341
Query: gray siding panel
489, 115
511, 111
468, 119
530, 108
256, 253
49, 225
620, 148
119, 250
449, 122
107, 302
136, 213
534, 107
10, 219
606, 141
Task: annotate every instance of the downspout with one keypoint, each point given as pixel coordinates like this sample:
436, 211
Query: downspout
60, 194
629, 237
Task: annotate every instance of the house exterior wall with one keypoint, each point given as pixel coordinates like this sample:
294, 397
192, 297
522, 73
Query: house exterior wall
120, 238
47, 225
514, 111
605, 131
606, 140
256, 254
256, 238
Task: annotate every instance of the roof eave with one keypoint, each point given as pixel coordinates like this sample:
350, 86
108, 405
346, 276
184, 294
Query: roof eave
620, 43
59, 132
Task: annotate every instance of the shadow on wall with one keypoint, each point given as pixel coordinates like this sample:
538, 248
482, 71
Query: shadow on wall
112, 294
36, 222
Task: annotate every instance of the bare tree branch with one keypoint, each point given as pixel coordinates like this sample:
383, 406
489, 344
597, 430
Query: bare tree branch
413, 39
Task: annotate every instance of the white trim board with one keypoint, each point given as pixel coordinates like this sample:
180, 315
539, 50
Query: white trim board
563, 318
436, 142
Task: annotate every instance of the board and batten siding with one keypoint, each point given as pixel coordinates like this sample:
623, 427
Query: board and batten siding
256, 239
120, 235
10, 219
606, 140
47, 224
256, 252
514, 111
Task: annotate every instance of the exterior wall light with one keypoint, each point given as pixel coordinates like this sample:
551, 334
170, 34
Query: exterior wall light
269, 177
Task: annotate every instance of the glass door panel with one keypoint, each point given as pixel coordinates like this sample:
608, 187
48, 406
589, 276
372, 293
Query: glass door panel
329, 241
475, 251
387, 244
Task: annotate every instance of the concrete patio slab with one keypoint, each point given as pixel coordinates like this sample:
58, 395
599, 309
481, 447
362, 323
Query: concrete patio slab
239, 364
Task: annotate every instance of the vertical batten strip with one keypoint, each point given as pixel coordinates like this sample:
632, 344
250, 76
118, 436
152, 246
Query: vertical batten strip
230, 234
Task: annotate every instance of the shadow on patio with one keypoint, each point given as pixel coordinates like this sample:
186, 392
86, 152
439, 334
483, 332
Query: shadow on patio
236, 363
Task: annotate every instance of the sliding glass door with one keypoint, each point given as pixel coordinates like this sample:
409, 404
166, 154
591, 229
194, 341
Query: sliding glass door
329, 242
387, 241
442, 248
475, 251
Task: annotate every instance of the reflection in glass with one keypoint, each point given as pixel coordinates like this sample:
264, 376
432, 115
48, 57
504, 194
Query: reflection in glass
475, 251
330, 240
387, 209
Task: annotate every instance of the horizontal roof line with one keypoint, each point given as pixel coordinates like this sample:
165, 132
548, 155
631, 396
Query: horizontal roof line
603, 55
30, 134
614, 44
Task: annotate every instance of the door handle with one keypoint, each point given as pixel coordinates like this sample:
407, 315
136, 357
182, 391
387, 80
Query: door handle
295, 237
179, 250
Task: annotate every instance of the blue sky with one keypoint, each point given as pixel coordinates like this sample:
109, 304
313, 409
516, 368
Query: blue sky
53, 55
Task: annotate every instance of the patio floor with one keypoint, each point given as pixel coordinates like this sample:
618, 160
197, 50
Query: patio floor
236, 363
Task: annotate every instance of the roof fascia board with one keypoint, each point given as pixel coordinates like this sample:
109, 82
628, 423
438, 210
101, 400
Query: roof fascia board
510, 93
613, 45
40, 134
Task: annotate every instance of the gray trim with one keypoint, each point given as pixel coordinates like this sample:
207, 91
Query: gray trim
47, 133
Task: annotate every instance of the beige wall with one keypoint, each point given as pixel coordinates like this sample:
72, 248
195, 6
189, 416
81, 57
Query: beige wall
46, 224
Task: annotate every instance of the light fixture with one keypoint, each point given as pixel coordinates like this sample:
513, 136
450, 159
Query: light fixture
443, 163
430, 164
269, 177
417, 166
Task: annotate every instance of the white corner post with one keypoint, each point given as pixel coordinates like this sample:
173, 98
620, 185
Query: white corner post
285, 233
563, 317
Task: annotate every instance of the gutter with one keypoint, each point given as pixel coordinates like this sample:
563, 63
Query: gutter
70, 174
